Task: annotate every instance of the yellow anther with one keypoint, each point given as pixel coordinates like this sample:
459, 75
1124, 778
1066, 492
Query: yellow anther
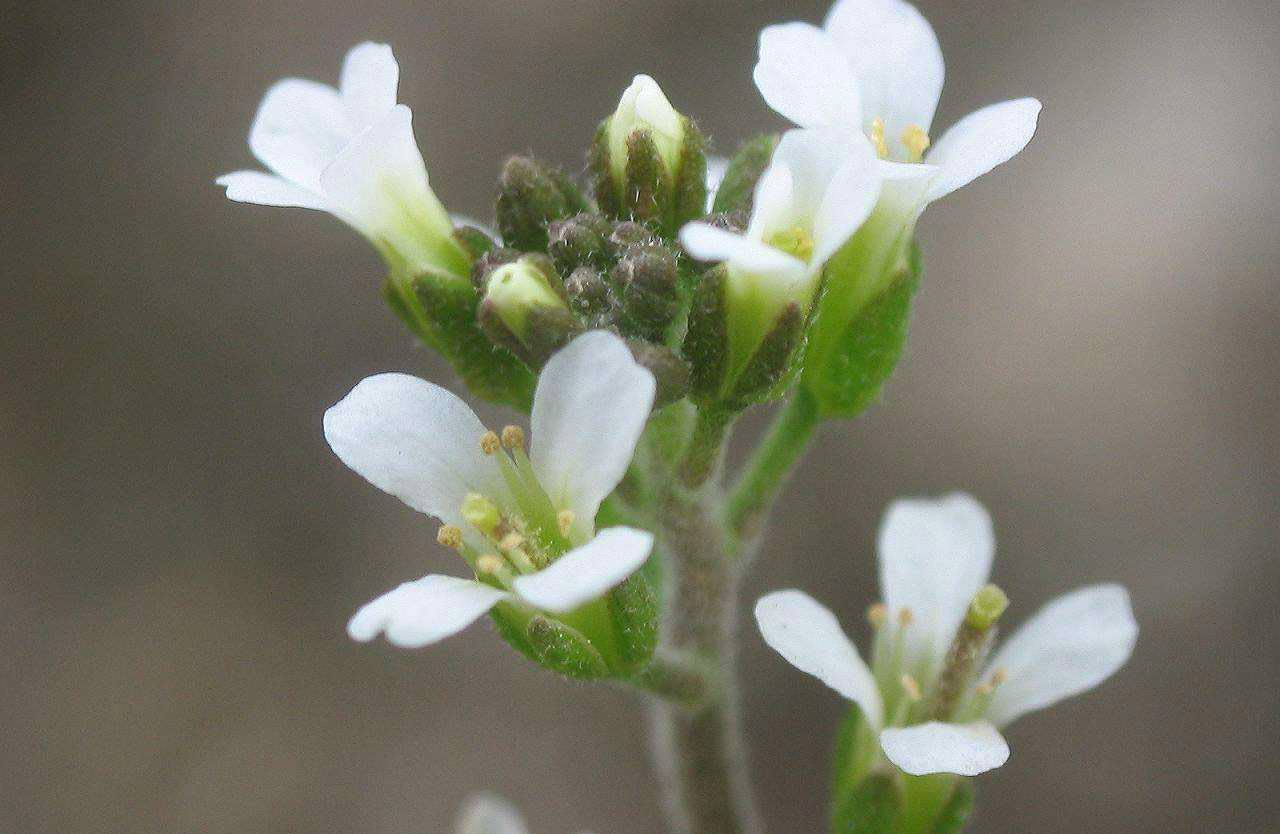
511, 541
990, 685
513, 437
564, 520
878, 614
905, 617
794, 241
449, 536
489, 443
877, 137
490, 564
916, 141
910, 688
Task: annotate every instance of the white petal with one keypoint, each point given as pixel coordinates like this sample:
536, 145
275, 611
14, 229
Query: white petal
268, 190
380, 176
850, 196
368, 82
426, 611
586, 572
981, 141
802, 74
416, 441
895, 57
589, 409
964, 749
1073, 644
934, 556
717, 166
773, 203
487, 813
810, 159
708, 243
808, 636
299, 129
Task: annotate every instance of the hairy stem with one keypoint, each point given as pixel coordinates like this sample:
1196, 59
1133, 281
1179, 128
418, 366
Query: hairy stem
699, 752
767, 471
705, 446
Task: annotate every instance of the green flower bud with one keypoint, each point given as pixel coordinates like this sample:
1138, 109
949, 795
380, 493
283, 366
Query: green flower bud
649, 161
647, 278
581, 240
668, 369
590, 296
475, 241
524, 309
531, 195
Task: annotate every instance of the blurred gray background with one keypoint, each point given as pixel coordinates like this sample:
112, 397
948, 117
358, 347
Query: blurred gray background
1095, 355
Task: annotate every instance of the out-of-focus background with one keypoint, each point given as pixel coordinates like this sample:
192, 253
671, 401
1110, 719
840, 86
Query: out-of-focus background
1095, 354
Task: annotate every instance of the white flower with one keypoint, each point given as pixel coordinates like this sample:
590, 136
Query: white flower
524, 522
875, 70
816, 192
934, 558
487, 813
350, 151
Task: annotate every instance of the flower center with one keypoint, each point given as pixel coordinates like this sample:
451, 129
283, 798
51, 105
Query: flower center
794, 241
914, 138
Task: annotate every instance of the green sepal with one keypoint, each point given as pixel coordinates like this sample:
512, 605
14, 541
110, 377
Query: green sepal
737, 189
872, 807
476, 242
660, 198
706, 343
669, 370
761, 378
689, 200
853, 355
955, 816
646, 280
443, 315
633, 609
531, 195
563, 649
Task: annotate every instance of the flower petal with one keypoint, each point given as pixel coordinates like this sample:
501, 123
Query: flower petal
1073, 644
850, 196
487, 813
586, 572
708, 243
895, 56
416, 441
981, 141
963, 749
299, 129
425, 611
808, 636
368, 82
717, 166
934, 556
589, 409
268, 190
803, 75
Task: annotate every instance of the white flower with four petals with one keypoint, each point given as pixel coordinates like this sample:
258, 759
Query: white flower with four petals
935, 555
524, 522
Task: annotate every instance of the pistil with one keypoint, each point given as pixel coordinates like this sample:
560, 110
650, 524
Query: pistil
967, 648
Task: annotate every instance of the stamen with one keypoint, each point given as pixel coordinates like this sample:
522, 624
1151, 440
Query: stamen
564, 521
512, 437
489, 443
992, 683
877, 137
490, 564
449, 536
878, 615
916, 142
910, 688
905, 617
511, 541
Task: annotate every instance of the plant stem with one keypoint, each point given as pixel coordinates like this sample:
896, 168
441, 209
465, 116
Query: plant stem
699, 753
771, 463
705, 446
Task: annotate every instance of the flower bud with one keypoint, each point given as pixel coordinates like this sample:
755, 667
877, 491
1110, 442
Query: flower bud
648, 160
525, 311
647, 278
475, 241
530, 196
591, 297
668, 369
581, 240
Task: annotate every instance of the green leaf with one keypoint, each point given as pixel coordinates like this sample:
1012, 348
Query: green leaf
849, 361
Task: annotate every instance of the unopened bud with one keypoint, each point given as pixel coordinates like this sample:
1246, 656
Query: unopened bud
524, 312
590, 296
531, 195
647, 279
475, 241
649, 161
986, 607
668, 369
487, 263
581, 240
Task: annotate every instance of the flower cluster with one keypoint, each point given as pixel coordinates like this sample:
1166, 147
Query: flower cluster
634, 313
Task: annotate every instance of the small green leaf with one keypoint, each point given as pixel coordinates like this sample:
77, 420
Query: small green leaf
857, 356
